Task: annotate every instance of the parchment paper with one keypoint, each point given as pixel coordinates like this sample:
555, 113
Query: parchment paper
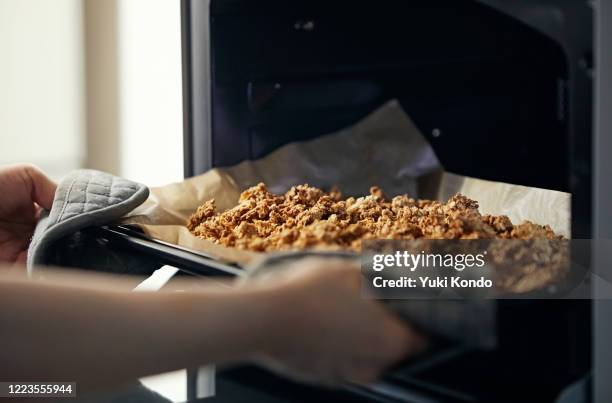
384, 149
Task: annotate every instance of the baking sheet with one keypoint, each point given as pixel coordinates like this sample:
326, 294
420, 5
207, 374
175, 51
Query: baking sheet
384, 149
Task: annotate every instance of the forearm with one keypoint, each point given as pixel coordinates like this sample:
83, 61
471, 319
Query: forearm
99, 337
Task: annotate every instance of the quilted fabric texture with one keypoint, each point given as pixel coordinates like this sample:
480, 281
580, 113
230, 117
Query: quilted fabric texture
84, 198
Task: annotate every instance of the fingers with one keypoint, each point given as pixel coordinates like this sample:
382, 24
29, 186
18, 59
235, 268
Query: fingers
43, 188
352, 339
409, 341
364, 375
400, 343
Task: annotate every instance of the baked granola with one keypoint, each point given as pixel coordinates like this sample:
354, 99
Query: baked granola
306, 217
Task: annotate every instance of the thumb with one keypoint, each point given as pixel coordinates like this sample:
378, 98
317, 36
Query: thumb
43, 188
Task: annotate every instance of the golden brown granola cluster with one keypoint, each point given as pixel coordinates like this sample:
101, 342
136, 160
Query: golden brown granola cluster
306, 217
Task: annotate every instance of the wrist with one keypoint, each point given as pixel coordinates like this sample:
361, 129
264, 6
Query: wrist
282, 317
259, 321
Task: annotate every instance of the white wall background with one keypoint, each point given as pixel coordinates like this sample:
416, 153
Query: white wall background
115, 105
94, 83
150, 97
41, 84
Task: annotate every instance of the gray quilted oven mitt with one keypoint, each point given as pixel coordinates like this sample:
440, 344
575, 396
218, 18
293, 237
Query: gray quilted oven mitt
83, 199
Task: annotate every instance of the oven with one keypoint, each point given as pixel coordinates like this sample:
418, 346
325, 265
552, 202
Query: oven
502, 91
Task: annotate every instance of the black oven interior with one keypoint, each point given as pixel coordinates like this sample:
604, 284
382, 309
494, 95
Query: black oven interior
487, 91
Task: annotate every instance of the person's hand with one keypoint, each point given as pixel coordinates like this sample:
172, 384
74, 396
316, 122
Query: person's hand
24, 192
327, 332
